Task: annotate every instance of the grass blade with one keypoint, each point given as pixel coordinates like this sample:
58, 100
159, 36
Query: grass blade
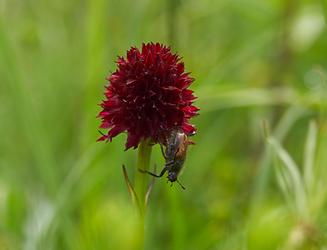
291, 170
309, 154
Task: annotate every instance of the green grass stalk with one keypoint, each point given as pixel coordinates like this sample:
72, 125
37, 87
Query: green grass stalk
143, 162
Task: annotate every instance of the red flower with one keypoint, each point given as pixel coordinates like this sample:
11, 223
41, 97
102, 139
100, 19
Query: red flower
148, 96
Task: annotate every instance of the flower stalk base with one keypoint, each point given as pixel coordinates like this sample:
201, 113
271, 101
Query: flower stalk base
141, 183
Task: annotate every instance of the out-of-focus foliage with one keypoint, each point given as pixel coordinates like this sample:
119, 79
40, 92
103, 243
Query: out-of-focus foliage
247, 187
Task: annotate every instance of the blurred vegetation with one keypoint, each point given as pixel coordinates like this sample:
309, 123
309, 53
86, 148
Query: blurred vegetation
256, 178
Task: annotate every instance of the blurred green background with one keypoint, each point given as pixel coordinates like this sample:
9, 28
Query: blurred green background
256, 178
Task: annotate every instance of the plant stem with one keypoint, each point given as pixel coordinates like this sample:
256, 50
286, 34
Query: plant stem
143, 162
140, 184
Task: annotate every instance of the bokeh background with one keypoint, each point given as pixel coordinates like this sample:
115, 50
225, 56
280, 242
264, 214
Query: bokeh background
256, 178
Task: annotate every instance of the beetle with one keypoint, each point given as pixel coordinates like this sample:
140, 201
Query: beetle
174, 154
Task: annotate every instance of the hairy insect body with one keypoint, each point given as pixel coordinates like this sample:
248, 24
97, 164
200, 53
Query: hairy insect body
174, 154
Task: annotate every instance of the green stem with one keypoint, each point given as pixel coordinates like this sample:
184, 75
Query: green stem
143, 162
140, 184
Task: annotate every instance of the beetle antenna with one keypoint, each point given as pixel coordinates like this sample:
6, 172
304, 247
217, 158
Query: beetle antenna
101, 132
180, 184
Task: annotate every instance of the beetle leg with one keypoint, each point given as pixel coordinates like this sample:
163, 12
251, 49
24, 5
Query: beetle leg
163, 171
163, 152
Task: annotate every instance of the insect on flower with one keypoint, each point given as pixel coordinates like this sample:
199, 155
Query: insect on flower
148, 96
174, 154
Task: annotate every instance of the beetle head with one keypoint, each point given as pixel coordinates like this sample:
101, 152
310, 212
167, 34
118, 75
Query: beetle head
172, 176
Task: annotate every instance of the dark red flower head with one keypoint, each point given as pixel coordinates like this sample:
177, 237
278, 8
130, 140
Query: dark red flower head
148, 96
